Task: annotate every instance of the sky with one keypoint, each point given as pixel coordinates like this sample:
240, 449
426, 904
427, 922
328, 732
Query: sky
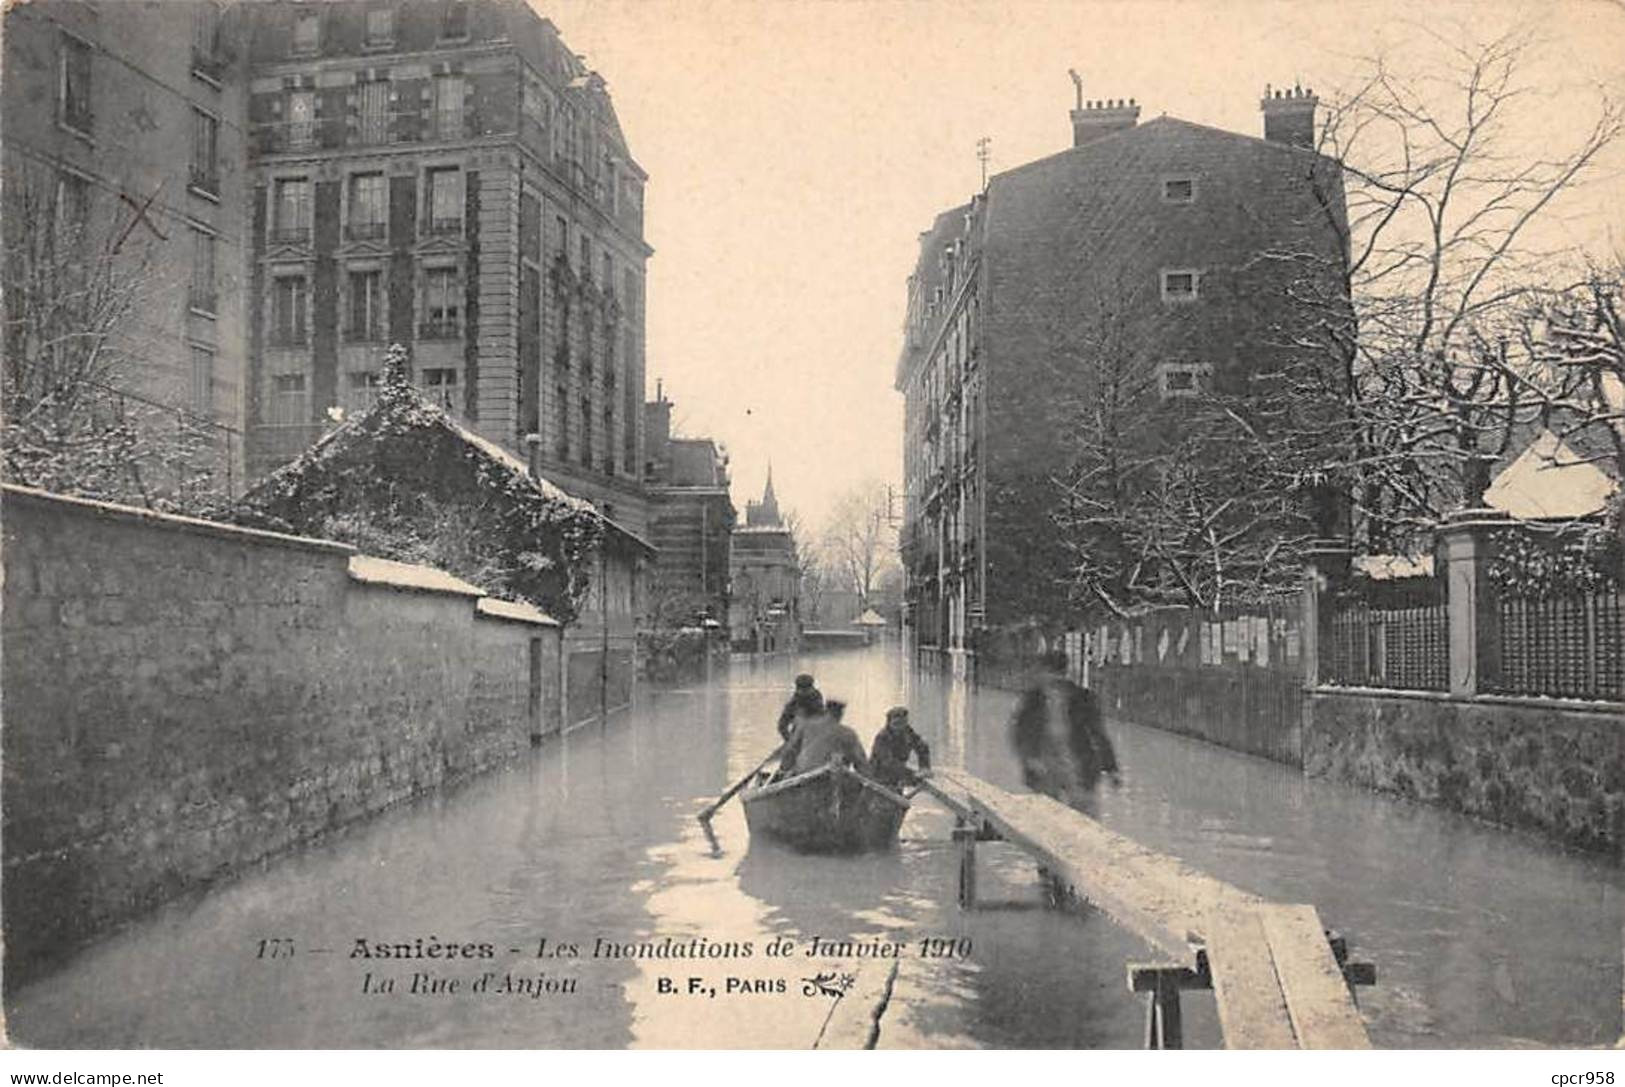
797, 148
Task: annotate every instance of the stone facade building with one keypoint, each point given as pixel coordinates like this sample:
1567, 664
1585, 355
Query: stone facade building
124, 136
691, 522
1165, 224
765, 612
448, 175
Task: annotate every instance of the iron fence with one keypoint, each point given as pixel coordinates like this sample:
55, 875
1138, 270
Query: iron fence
1564, 646
1390, 634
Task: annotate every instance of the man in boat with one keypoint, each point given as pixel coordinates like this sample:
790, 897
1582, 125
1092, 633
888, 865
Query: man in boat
1058, 734
821, 739
894, 743
806, 702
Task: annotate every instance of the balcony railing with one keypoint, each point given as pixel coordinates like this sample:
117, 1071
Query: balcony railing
363, 232
290, 235
445, 226
443, 328
289, 337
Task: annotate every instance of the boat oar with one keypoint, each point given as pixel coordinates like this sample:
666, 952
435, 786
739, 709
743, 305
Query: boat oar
705, 816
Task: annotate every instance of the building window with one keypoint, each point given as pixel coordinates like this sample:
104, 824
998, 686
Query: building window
455, 25
586, 432
1182, 379
205, 177
201, 296
73, 92
380, 27
206, 60
1179, 190
301, 118
307, 33
72, 206
445, 201
442, 304
439, 384
367, 304
585, 267
1180, 285
609, 440
362, 393
561, 445
289, 405
203, 381
368, 214
448, 107
288, 295
374, 126
561, 235
290, 211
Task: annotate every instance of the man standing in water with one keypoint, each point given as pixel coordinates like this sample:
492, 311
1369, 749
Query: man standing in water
1057, 733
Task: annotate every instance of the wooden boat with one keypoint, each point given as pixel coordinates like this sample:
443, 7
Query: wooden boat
833, 809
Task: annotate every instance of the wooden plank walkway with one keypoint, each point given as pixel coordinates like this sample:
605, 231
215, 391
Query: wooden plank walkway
1277, 982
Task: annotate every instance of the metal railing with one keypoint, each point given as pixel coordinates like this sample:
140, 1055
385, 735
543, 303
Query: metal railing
1390, 634
1568, 646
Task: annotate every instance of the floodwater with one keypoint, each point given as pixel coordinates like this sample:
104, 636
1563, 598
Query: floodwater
1480, 937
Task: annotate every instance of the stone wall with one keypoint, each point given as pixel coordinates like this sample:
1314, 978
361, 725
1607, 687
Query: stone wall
1540, 764
182, 699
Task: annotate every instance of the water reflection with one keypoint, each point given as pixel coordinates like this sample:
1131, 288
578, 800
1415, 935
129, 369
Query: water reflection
1481, 937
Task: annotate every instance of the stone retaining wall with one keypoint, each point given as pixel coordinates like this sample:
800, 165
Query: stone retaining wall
183, 698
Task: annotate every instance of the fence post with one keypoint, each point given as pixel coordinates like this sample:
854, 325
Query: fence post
1326, 566
1475, 650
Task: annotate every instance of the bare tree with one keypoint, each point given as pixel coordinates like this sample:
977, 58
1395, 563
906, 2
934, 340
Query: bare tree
80, 270
1193, 495
858, 541
1447, 199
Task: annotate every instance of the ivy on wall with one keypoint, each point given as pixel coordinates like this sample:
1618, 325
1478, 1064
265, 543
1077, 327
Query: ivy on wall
1570, 562
405, 482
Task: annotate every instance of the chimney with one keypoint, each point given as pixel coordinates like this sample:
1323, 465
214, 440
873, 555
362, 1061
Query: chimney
1092, 120
1289, 116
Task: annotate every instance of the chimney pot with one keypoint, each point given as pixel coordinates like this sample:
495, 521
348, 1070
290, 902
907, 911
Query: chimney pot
1102, 116
1289, 115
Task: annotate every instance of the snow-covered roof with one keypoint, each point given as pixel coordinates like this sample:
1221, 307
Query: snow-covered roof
1393, 567
1550, 480
513, 463
406, 575
508, 609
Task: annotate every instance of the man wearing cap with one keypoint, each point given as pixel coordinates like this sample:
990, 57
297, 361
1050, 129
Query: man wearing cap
806, 702
896, 740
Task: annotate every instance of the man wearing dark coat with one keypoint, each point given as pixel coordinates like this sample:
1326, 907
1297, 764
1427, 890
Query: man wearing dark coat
894, 743
818, 740
806, 702
1057, 733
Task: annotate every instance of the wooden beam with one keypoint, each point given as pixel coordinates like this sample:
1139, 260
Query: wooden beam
1157, 897
1317, 996
1252, 1009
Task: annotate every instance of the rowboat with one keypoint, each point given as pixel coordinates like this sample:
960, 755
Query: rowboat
833, 809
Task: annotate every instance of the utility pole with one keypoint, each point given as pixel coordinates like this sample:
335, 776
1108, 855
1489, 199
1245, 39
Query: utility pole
983, 153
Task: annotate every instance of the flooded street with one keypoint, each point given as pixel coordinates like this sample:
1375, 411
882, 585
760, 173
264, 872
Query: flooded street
1480, 937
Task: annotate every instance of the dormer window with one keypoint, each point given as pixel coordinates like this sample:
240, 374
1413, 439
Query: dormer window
1180, 284
380, 27
455, 26
1179, 190
307, 33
